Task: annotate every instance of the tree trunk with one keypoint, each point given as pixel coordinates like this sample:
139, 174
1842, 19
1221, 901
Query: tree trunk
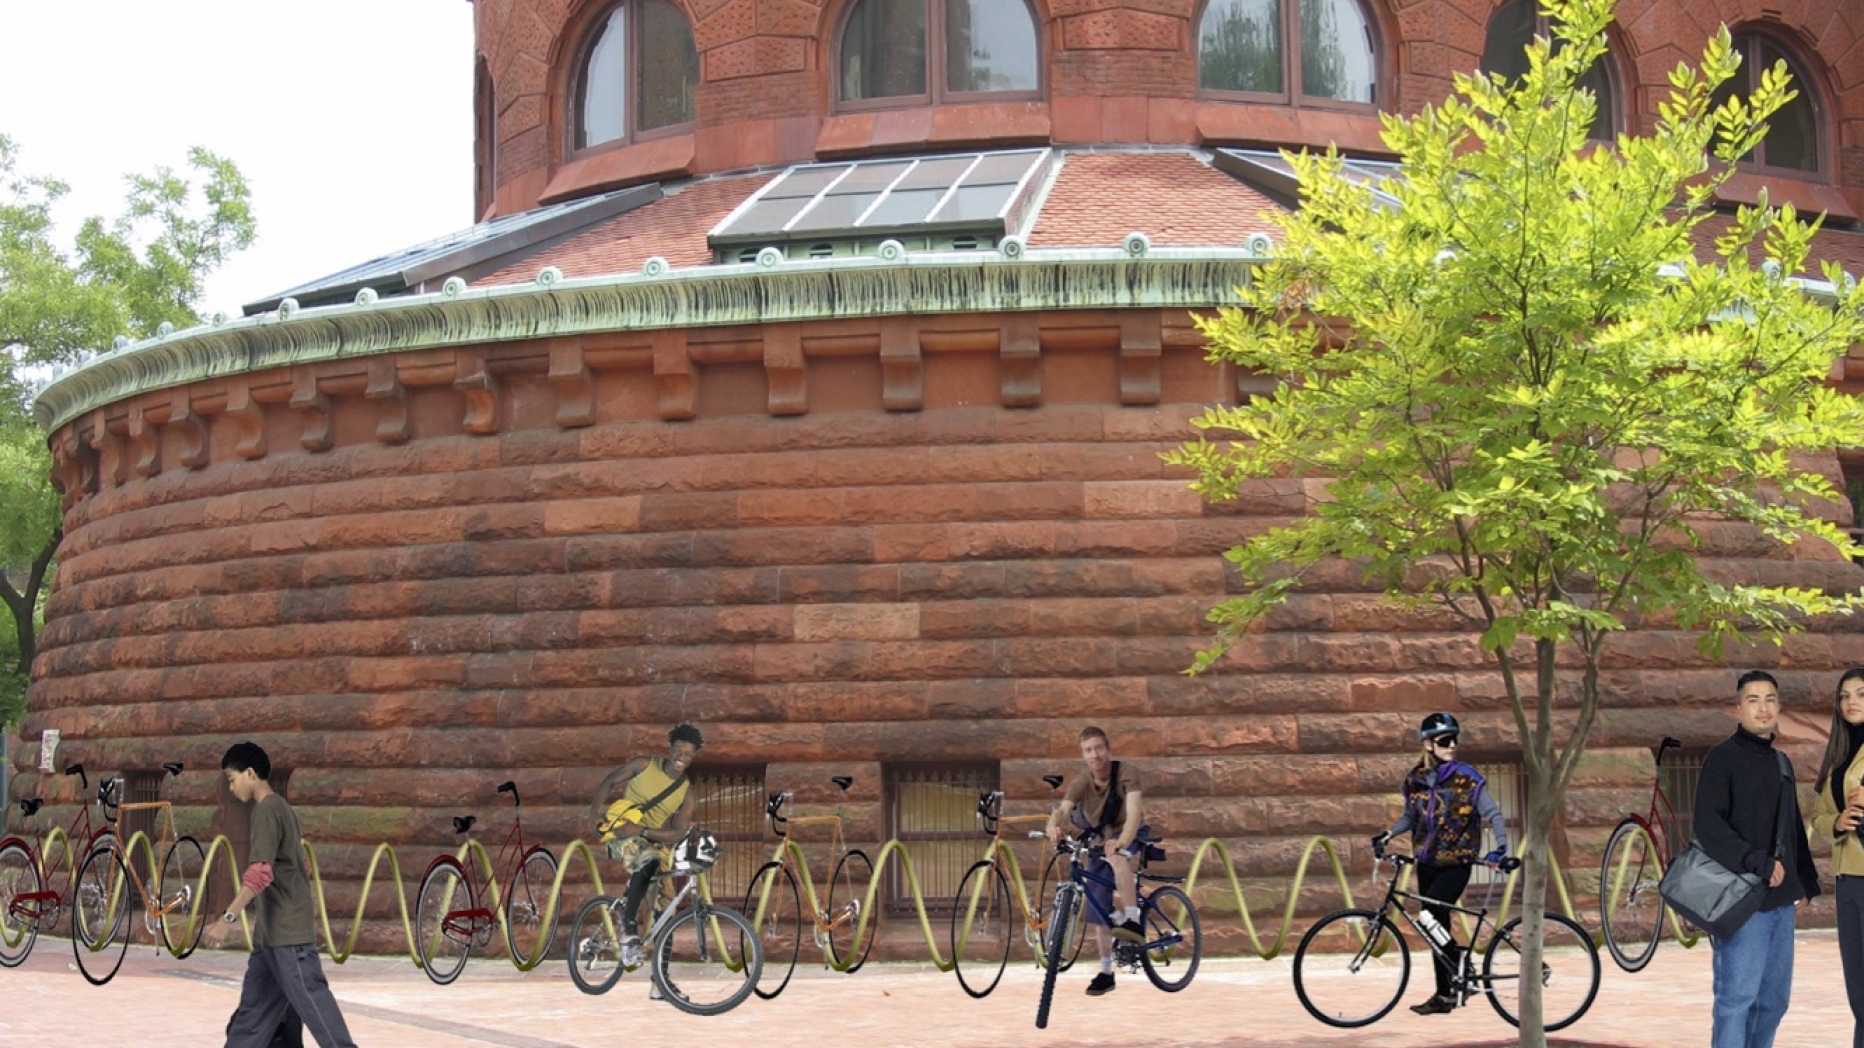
1536, 865
25, 605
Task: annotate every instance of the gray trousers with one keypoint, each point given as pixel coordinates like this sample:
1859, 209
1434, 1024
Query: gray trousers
281, 976
1851, 949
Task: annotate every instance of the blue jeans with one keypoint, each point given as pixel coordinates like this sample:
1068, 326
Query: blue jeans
1753, 980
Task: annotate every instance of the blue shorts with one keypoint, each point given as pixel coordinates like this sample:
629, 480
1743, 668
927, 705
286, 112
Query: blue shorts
1099, 891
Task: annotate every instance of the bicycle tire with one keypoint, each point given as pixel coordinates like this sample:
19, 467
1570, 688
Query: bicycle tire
846, 907
776, 916
19, 922
105, 951
443, 952
526, 902
1375, 938
1055, 874
1562, 939
1630, 910
1168, 914
92, 917
982, 943
180, 922
1061, 919
595, 945
694, 944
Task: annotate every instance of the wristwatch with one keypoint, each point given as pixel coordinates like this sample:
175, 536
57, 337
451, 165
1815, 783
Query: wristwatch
230, 917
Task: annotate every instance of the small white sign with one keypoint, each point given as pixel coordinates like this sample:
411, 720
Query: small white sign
48, 748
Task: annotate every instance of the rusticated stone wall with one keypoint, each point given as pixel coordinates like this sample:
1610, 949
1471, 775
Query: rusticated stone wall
834, 545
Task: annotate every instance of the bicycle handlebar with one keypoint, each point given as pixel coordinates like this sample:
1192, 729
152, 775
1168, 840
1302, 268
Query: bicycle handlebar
84, 782
512, 788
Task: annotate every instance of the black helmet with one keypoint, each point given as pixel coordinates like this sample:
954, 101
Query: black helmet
1438, 724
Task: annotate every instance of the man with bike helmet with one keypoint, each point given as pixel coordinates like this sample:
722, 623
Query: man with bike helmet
1446, 805
1106, 801
652, 814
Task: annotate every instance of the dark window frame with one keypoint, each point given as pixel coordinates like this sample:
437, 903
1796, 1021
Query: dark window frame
985, 774
1805, 83
1291, 94
936, 93
589, 34
1616, 114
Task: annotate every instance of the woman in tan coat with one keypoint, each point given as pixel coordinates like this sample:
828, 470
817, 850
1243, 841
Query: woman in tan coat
1837, 813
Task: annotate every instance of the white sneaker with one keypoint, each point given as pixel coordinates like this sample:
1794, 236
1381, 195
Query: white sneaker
653, 991
631, 957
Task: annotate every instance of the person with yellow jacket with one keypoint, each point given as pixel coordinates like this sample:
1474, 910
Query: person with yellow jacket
652, 814
1837, 813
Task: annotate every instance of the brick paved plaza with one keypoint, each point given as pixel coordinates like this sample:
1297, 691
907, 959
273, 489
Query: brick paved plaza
157, 1002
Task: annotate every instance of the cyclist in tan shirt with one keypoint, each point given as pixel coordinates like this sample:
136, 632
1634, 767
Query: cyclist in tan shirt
1106, 800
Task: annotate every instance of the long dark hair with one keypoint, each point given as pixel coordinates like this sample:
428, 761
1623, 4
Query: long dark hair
1838, 743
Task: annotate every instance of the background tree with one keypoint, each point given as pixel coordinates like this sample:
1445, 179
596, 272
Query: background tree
121, 277
1527, 396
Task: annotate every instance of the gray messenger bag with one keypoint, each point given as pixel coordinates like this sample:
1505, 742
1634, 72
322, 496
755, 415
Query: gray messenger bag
1714, 897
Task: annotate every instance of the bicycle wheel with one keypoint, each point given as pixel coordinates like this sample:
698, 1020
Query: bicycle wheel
1569, 972
525, 904
775, 909
847, 912
707, 961
1174, 939
19, 924
1062, 919
980, 929
176, 892
1053, 876
1630, 910
93, 915
440, 937
595, 945
100, 954
1351, 968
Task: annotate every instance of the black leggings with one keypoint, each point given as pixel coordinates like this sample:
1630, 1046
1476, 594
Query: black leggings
636, 891
1445, 884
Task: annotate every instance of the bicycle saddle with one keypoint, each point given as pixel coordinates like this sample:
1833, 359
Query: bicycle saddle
172, 767
463, 823
1054, 781
29, 805
844, 781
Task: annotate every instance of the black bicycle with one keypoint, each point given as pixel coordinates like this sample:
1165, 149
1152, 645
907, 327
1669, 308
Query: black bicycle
1352, 967
1174, 940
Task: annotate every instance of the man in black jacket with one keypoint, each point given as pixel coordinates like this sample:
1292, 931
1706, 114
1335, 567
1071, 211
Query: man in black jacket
1738, 824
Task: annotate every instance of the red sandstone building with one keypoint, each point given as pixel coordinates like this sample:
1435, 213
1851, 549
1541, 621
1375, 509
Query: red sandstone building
806, 376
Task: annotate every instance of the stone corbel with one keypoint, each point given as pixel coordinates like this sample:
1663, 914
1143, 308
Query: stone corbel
569, 376
902, 365
390, 398
673, 372
109, 461
79, 465
1020, 355
784, 373
191, 430
248, 419
144, 450
307, 398
1141, 350
476, 383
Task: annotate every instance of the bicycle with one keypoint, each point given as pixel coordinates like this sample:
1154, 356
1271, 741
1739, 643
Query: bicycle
1359, 985
689, 944
1167, 919
981, 917
774, 903
109, 872
1638, 851
28, 901
446, 933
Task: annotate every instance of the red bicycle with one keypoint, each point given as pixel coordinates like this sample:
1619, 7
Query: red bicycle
451, 917
28, 902
1640, 849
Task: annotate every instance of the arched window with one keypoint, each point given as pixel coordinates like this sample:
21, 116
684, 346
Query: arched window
1315, 50
485, 138
635, 75
1512, 27
903, 51
1794, 143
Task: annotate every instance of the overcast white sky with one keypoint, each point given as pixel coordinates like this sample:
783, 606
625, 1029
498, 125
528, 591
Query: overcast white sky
352, 119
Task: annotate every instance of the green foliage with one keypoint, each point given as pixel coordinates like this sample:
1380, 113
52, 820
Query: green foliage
125, 276
1524, 391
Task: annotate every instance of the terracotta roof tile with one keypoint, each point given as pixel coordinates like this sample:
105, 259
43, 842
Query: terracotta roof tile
674, 228
1173, 198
